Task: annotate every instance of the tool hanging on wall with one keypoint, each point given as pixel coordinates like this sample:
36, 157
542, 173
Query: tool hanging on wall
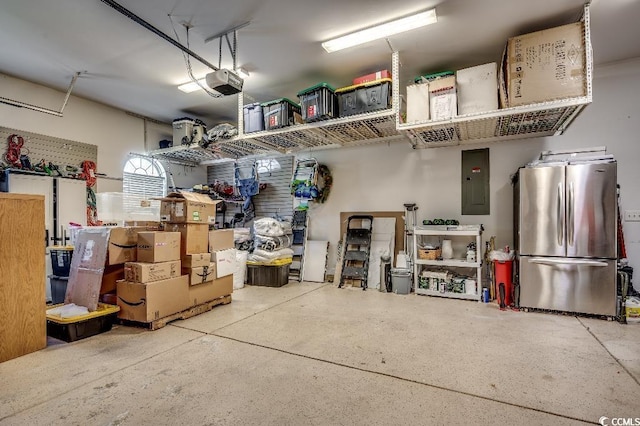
247, 184
88, 174
15, 144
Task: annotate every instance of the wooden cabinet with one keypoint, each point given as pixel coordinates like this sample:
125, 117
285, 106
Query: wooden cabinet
22, 273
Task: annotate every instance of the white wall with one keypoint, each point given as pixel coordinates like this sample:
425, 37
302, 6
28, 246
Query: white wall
115, 132
384, 177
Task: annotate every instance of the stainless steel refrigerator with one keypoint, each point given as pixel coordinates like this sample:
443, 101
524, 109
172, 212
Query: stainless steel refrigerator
567, 239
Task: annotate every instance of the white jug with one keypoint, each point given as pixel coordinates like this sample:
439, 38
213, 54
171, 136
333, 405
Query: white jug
447, 250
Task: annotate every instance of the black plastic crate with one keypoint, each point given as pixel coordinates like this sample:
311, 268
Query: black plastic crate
61, 260
253, 118
268, 276
58, 288
366, 97
84, 326
279, 113
318, 102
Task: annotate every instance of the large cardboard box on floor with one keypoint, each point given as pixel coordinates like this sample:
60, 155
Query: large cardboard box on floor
200, 274
151, 301
188, 207
221, 239
477, 89
546, 65
139, 272
158, 246
225, 261
211, 290
196, 260
194, 237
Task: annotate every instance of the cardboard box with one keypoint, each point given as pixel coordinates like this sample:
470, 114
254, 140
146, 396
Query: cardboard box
477, 89
152, 301
158, 246
138, 272
111, 275
150, 225
211, 290
417, 102
221, 239
188, 207
194, 237
196, 260
225, 261
200, 274
546, 65
123, 242
372, 77
442, 98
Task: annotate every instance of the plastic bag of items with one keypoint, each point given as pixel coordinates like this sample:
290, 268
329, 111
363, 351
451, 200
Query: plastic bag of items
263, 256
502, 255
269, 227
272, 243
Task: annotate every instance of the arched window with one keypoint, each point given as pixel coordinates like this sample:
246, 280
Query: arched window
142, 178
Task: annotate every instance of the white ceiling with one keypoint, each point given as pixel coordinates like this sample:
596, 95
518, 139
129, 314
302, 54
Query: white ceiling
129, 67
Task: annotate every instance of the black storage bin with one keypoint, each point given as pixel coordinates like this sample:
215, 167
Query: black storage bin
268, 276
318, 102
58, 288
279, 113
366, 97
84, 326
253, 118
61, 260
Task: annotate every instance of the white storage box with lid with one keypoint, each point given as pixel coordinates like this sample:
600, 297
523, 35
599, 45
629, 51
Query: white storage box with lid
417, 103
187, 131
477, 89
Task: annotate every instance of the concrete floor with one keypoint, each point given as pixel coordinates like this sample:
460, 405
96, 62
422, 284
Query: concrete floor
314, 354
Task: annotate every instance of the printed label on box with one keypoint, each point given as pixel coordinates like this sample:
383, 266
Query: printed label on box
195, 216
179, 209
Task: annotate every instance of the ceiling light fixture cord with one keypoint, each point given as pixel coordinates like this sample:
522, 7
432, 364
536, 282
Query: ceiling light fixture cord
187, 62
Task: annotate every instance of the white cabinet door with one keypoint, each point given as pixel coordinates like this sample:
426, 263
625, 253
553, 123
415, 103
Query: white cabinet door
72, 204
39, 185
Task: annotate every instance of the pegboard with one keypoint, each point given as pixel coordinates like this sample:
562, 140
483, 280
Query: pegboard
55, 150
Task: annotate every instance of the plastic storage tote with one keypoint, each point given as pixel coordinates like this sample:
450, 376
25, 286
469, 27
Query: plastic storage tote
82, 326
400, 281
61, 260
58, 288
366, 97
253, 118
279, 113
268, 276
318, 102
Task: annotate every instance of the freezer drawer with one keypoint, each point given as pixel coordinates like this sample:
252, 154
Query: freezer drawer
568, 284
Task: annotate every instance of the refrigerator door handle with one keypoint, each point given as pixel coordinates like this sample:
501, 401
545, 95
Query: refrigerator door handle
553, 261
560, 217
570, 218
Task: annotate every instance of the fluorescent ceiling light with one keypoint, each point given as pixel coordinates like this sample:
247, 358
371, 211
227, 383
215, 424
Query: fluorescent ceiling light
381, 31
193, 86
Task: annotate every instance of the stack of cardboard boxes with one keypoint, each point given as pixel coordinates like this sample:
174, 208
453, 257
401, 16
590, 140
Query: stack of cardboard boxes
174, 269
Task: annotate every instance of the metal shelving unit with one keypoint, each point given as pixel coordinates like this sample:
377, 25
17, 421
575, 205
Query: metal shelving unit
471, 231
521, 122
537, 120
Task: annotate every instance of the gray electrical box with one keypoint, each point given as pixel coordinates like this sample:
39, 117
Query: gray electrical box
475, 182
